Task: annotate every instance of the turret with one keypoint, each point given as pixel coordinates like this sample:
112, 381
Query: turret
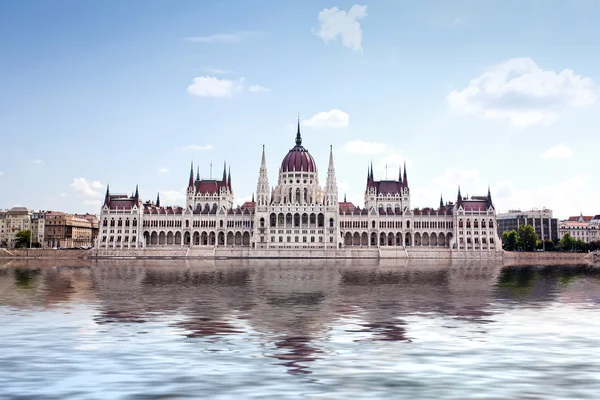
107, 197
331, 190
262, 188
489, 202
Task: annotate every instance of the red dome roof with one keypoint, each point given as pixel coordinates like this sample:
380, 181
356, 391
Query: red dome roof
298, 158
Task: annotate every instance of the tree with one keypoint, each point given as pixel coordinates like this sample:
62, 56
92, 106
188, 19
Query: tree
509, 240
22, 239
580, 245
595, 245
549, 244
566, 243
527, 238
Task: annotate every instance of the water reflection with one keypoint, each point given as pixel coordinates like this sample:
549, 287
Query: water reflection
298, 314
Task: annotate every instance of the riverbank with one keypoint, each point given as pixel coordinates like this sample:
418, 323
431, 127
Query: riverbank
333, 254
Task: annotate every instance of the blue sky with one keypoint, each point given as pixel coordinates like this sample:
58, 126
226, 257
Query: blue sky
469, 93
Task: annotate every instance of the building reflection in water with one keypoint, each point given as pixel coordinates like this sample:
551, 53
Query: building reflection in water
292, 306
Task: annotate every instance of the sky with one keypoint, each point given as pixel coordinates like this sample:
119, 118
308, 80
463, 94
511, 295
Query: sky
497, 93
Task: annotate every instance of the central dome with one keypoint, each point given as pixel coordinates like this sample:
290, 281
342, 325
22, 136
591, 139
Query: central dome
298, 159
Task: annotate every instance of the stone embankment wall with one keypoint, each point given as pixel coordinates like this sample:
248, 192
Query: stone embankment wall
539, 257
45, 253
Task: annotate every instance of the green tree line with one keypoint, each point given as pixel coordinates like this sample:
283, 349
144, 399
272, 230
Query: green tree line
525, 239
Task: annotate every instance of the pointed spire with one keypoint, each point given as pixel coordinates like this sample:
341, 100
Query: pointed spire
198, 173
405, 180
224, 173
331, 156
298, 137
459, 197
229, 178
400, 174
253, 197
137, 193
489, 202
157, 199
191, 181
371, 176
441, 201
345, 198
107, 196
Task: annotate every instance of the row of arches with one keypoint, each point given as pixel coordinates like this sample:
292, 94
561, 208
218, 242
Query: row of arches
297, 220
162, 238
397, 239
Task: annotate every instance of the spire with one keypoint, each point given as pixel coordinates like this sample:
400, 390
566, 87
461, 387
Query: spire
224, 173
405, 180
137, 193
198, 173
400, 174
441, 201
107, 196
331, 190
298, 137
191, 181
229, 178
157, 199
262, 186
459, 197
489, 202
253, 197
371, 176
263, 161
345, 198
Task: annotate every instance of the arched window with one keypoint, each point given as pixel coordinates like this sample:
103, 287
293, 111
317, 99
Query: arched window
330, 221
468, 223
407, 224
475, 223
262, 222
491, 226
460, 223
187, 223
372, 224
105, 223
296, 219
273, 219
112, 222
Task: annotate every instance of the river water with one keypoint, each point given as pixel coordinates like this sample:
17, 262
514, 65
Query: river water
298, 329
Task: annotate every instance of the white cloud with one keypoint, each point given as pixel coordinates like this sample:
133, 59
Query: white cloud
38, 161
163, 170
259, 88
508, 196
328, 119
217, 38
210, 86
559, 151
217, 71
520, 92
195, 147
334, 23
172, 197
87, 188
365, 148
1, 173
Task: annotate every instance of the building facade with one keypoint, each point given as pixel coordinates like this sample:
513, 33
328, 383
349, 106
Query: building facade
11, 222
298, 213
65, 231
543, 223
586, 228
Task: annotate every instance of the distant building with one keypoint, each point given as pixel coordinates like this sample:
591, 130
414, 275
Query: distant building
66, 230
38, 227
93, 219
11, 222
543, 223
582, 227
